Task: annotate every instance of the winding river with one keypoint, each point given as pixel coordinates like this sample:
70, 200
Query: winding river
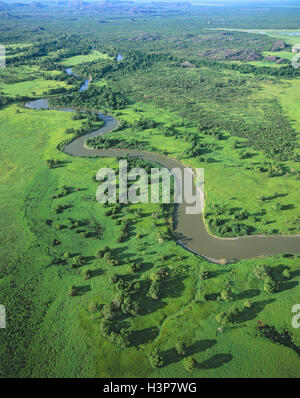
190, 230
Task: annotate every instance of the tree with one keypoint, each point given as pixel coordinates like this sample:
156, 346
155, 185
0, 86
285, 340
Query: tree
278, 206
286, 273
222, 318
50, 163
121, 338
226, 294
101, 253
93, 306
189, 364
153, 290
180, 348
261, 272
78, 261
233, 313
269, 285
106, 327
66, 255
73, 291
108, 311
87, 274
155, 358
203, 275
247, 304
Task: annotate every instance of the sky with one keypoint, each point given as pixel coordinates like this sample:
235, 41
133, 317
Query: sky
211, 2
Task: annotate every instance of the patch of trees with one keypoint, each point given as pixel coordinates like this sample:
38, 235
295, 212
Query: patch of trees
64, 191
272, 169
94, 98
52, 163
287, 71
55, 91
171, 131
87, 127
118, 336
190, 363
198, 148
103, 142
156, 280
233, 314
143, 124
123, 303
206, 95
59, 208
62, 46
231, 226
155, 358
263, 273
123, 235
274, 134
6, 100
132, 61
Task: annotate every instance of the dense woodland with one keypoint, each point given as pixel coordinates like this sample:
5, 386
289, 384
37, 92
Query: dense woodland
94, 98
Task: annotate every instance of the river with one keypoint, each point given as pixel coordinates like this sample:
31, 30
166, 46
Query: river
190, 230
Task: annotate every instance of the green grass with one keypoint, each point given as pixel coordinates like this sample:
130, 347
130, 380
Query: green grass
223, 177
277, 33
62, 337
51, 334
32, 87
282, 54
80, 59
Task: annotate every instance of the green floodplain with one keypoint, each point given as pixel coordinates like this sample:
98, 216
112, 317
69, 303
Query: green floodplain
97, 290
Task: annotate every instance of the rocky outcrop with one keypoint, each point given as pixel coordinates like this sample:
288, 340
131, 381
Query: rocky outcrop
232, 55
278, 60
187, 64
38, 29
279, 45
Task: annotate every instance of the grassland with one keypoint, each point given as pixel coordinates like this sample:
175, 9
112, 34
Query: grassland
53, 334
27, 81
282, 34
61, 335
231, 181
60, 332
30, 88
80, 59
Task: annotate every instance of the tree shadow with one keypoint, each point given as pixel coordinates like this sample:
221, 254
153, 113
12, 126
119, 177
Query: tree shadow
287, 286
247, 294
283, 284
62, 163
143, 336
147, 304
173, 287
201, 345
144, 267
216, 361
296, 273
83, 289
119, 252
276, 196
251, 313
89, 259
172, 356
288, 207
212, 296
96, 272
215, 274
